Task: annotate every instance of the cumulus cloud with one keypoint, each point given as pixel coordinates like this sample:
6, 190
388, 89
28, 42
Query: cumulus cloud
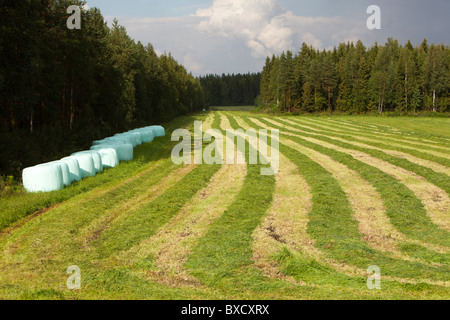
267, 28
237, 35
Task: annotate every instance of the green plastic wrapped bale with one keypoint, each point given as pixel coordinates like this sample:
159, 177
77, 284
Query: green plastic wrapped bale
124, 150
110, 159
74, 168
43, 178
86, 163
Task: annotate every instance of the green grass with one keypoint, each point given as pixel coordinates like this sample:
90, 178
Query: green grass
101, 218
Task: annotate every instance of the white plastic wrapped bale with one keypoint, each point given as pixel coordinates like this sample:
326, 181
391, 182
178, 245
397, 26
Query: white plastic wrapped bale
64, 170
136, 137
158, 131
147, 135
98, 165
110, 159
124, 150
86, 163
43, 178
130, 138
74, 168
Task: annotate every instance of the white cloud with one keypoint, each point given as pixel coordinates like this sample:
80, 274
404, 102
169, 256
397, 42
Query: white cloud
233, 36
266, 28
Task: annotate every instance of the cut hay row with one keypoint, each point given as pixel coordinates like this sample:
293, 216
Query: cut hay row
396, 144
171, 245
389, 232
410, 266
415, 183
421, 166
436, 200
438, 140
391, 134
270, 228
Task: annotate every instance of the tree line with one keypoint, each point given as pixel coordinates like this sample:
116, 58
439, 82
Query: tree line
60, 88
231, 89
354, 79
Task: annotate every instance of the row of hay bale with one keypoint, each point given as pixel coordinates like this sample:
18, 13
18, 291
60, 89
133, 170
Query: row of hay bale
106, 153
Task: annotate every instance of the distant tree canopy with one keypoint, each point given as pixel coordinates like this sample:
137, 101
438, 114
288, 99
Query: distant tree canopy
231, 90
62, 88
354, 79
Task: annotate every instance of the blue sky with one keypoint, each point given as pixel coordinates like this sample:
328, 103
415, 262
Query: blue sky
235, 36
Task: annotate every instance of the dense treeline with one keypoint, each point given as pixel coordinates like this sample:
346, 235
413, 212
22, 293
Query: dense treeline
355, 79
60, 88
231, 90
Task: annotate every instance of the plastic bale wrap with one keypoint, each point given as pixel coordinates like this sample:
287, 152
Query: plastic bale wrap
43, 178
74, 168
86, 163
124, 150
98, 165
64, 170
130, 138
118, 139
110, 159
158, 131
146, 134
136, 136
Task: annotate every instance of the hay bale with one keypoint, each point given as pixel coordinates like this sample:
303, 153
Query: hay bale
86, 163
74, 168
110, 159
98, 165
158, 131
64, 170
43, 178
134, 139
147, 135
124, 150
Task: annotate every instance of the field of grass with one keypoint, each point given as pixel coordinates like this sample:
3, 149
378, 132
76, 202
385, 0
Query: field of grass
351, 192
235, 108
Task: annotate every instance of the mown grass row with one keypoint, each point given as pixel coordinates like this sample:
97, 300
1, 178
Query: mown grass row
387, 146
397, 137
415, 229
307, 269
414, 128
334, 228
439, 179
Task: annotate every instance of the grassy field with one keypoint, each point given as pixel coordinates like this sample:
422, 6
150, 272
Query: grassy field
351, 192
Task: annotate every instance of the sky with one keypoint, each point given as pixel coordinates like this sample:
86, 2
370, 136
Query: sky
236, 36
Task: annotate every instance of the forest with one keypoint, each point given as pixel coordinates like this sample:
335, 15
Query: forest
60, 89
354, 79
231, 90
